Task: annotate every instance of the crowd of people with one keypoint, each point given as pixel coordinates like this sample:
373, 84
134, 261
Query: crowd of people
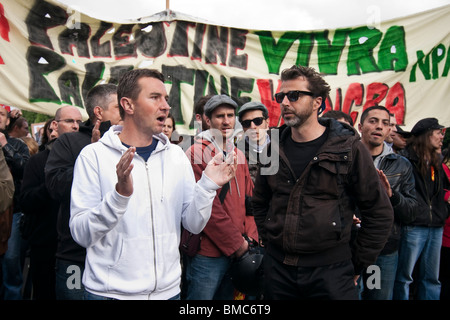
122, 207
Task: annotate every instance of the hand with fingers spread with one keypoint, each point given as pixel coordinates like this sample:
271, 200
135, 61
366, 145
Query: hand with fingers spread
221, 171
96, 132
124, 184
384, 181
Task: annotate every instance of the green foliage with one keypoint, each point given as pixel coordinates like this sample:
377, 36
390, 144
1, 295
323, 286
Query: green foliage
33, 117
446, 139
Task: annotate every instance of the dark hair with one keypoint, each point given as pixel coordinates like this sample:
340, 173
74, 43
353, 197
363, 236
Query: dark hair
99, 96
426, 154
316, 83
128, 84
337, 114
16, 122
375, 107
200, 104
173, 121
45, 138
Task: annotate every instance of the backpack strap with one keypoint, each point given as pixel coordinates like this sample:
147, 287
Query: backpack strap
223, 192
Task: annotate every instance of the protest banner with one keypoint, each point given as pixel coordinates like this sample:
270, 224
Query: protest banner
51, 55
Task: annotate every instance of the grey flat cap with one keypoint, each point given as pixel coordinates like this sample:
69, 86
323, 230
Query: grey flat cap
217, 101
253, 105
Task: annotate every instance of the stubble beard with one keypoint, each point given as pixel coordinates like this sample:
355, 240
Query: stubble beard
299, 118
294, 122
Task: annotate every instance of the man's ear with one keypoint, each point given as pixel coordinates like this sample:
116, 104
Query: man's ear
98, 111
208, 121
127, 105
317, 103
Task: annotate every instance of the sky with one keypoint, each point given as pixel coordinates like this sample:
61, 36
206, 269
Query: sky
261, 14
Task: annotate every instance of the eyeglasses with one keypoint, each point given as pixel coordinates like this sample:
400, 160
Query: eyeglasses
292, 95
256, 121
70, 121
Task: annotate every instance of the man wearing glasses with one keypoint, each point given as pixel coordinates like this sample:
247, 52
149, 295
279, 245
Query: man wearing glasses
304, 212
254, 118
67, 119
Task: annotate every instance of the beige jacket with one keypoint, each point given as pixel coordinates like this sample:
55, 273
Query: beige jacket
6, 200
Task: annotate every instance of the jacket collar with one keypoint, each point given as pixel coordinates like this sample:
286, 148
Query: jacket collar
87, 126
336, 129
387, 152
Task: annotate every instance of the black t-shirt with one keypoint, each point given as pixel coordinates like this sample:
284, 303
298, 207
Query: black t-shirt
300, 154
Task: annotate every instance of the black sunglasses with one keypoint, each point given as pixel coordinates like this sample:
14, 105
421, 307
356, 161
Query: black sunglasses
256, 121
291, 95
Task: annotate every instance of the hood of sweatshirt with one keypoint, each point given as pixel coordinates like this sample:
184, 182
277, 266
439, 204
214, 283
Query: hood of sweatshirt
387, 150
209, 135
112, 140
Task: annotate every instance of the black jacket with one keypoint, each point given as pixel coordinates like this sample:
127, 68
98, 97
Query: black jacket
37, 205
432, 209
307, 221
16, 155
253, 157
399, 173
58, 179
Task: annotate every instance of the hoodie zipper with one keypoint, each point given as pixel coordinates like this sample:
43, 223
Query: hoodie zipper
153, 226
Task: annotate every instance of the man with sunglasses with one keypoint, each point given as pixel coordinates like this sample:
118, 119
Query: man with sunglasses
254, 118
304, 212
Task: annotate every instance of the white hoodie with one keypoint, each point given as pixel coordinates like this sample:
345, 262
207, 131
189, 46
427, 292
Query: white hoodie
132, 242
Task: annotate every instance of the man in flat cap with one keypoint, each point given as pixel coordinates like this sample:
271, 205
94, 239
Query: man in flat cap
229, 231
421, 239
254, 118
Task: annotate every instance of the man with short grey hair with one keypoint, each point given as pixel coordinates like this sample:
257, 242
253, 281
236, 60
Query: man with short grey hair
102, 108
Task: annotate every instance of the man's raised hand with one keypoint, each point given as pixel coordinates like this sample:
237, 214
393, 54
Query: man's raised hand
124, 184
221, 171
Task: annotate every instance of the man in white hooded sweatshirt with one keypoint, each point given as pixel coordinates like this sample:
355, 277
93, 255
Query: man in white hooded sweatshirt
132, 191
